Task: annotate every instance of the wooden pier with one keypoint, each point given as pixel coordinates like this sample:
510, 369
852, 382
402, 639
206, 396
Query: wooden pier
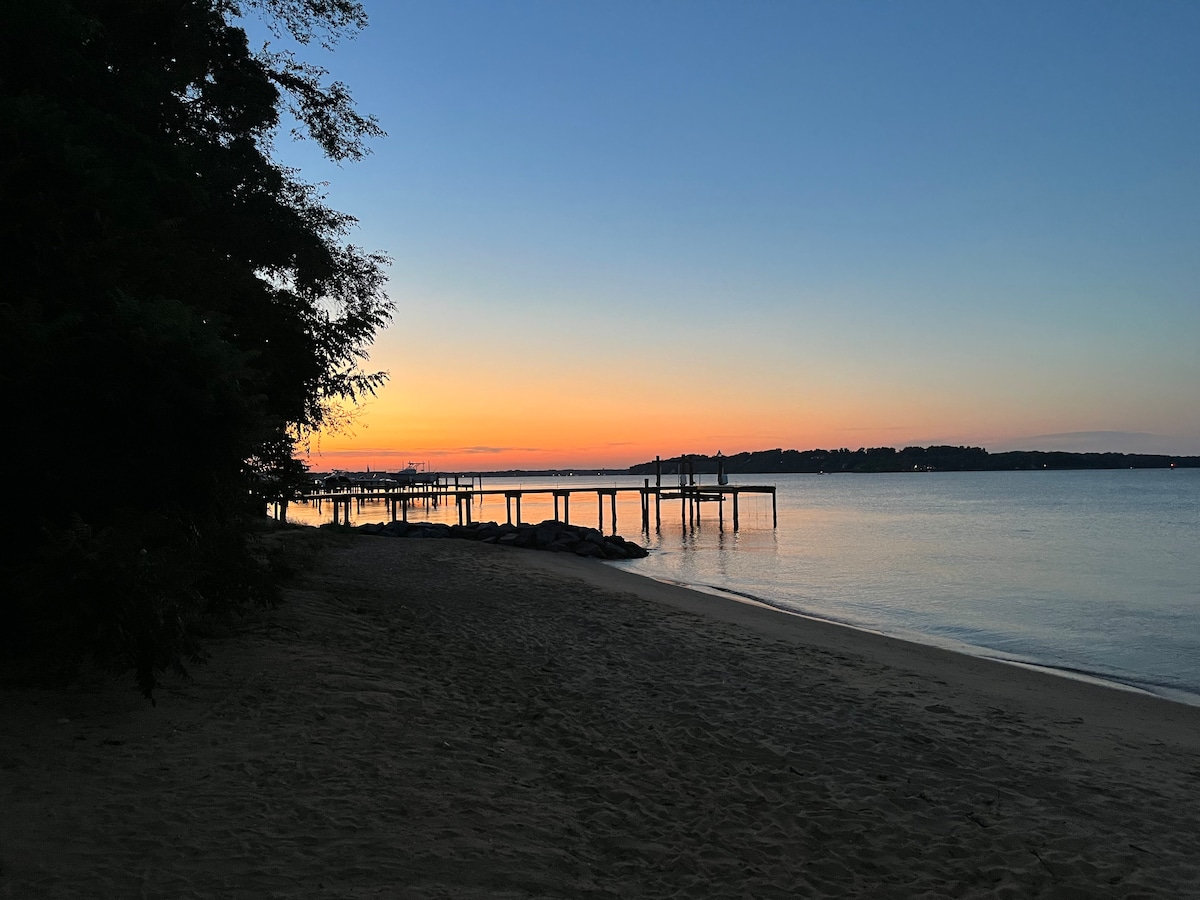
691, 497
691, 494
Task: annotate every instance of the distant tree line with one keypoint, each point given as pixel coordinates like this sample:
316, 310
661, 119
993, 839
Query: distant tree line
179, 311
914, 459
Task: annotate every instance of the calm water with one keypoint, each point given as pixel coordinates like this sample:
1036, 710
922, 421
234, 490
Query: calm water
1091, 573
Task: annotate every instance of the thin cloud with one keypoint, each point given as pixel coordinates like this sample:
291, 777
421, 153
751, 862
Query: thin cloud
1090, 435
491, 451
1096, 442
398, 454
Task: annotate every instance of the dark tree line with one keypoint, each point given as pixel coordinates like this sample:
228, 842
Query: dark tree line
915, 459
179, 309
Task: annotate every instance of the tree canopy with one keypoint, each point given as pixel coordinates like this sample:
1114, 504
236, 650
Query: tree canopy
911, 459
180, 307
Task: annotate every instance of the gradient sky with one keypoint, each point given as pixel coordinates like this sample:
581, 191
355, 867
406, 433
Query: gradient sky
628, 229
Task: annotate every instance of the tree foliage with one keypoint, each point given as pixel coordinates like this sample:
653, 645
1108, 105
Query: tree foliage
911, 459
179, 307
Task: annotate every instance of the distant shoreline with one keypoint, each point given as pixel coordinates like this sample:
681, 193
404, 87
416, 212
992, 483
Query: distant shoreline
915, 459
873, 461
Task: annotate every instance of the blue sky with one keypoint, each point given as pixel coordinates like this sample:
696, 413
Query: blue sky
786, 224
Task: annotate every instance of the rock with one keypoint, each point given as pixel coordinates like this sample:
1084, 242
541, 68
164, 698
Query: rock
589, 549
546, 533
628, 549
613, 550
551, 535
592, 536
487, 531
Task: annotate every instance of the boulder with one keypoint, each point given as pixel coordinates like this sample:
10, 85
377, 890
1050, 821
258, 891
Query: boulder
613, 550
547, 533
589, 549
487, 531
551, 535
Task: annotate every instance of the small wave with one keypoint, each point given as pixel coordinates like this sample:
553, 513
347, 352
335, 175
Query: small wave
776, 605
1174, 692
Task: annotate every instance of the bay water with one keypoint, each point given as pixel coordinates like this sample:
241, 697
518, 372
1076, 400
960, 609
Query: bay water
1092, 574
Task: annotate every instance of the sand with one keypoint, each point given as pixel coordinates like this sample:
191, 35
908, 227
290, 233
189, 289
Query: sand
434, 719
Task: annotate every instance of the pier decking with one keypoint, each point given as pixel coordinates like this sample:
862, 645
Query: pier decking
691, 498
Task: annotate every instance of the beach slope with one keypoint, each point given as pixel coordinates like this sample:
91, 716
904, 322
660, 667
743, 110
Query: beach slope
444, 719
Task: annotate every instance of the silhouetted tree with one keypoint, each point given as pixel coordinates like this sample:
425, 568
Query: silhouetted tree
179, 307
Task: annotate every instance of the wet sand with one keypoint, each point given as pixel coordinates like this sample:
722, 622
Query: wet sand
442, 719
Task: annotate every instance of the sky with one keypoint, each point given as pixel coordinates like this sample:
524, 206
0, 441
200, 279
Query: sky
628, 229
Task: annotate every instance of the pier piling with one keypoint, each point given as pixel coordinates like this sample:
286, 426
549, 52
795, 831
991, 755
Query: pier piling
691, 496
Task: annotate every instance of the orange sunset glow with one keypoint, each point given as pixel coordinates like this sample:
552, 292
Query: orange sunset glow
828, 239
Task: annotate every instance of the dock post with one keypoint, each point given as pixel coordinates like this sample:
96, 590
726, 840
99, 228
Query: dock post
613, 495
600, 503
735, 511
774, 511
646, 505
721, 512
565, 496
518, 509
508, 508
404, 508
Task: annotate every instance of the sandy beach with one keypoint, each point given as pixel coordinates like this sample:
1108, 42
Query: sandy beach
444, 719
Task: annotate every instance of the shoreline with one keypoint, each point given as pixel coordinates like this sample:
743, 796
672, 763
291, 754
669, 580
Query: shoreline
1111, 603
1114, 704
433, 719
1149, 689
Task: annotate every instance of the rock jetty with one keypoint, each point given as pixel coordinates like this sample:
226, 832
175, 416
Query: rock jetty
552, 535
